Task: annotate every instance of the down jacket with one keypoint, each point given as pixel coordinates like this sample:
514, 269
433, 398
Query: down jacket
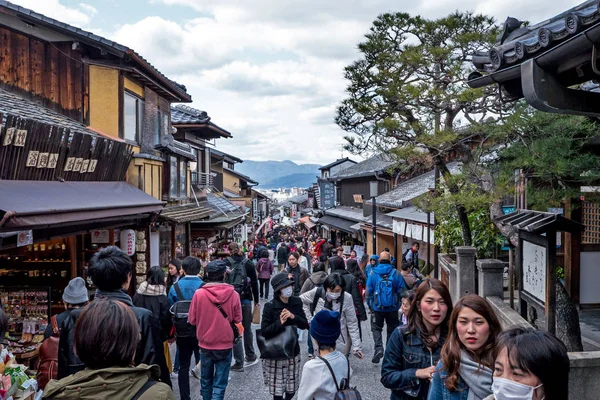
350, 336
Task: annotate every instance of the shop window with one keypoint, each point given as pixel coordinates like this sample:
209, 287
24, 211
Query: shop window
177, 178
133, 116
591, 220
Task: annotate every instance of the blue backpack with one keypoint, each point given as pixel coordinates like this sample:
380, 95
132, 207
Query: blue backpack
385, 297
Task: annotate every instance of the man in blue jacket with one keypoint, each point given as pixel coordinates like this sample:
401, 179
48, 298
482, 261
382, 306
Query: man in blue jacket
384, 288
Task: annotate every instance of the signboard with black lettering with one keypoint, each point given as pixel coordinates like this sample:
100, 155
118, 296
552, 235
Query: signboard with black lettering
327, 194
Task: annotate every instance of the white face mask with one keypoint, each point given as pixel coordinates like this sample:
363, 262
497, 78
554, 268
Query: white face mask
333, 296
287, 292
505, 389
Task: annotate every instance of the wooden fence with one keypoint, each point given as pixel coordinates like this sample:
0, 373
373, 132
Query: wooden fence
31, 150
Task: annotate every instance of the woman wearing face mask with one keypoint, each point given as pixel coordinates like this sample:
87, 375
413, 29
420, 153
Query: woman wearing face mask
296, 273
530, 365
282, 377
465, 369
414, 349
333, 296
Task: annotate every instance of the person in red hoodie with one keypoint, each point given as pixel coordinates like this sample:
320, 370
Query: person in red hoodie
213, 329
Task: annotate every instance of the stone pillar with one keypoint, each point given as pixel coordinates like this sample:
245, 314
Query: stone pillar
491, 278
465, 264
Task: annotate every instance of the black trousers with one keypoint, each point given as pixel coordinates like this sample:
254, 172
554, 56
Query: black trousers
187, 347
264, 287
377, 320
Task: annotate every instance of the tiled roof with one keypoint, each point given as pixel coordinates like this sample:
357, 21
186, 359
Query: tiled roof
242, 176
301, 198
186, 213
336, 162
90, 38
170, 145
16, 105
376, 164
412, 188
412, 213
226, 156
182, 114
356, 215
222, 210
519, 43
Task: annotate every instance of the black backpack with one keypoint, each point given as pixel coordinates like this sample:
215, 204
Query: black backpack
344, 391
238, 277
180, 311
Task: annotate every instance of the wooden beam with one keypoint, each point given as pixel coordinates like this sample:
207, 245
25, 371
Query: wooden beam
173, 241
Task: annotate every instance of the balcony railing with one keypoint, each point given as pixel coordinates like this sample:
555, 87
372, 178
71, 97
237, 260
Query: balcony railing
203, 179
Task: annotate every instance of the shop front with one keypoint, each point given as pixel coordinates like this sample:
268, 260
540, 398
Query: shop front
49, 230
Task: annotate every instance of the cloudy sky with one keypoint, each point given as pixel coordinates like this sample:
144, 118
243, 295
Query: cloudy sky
269, 71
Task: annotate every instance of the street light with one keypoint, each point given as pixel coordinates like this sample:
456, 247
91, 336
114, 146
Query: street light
373, 189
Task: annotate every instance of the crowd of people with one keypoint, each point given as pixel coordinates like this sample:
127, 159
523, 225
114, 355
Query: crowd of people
117, 347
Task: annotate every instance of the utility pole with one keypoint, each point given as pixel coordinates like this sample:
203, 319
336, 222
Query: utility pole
373, 186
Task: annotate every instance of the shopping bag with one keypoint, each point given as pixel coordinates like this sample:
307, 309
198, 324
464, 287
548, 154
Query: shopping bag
167, 351
256, 315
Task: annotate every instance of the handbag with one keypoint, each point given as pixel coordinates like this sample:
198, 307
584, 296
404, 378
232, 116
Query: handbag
279, 347
48, 365
256, 315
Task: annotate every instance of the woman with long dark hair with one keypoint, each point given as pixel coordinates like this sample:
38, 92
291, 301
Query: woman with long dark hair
173, 272
466, 366
530, 365
414, 350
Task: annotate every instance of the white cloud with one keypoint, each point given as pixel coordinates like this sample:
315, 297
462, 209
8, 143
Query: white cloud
269, 71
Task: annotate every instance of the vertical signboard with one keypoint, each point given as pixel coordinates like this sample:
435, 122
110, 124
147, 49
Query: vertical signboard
327, 194
294, 211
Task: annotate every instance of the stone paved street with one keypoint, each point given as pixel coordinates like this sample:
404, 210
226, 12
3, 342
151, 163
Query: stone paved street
249, 384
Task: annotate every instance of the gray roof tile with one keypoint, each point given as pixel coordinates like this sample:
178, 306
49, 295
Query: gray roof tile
411, 189
12, 104
336, 162
376, 164
182, 114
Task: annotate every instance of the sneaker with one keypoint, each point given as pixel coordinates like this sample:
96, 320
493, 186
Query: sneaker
237, 367
251, 361
311, 356
174, 374
377, 357
195, 373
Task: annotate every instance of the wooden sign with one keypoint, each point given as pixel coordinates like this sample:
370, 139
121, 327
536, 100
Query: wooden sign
69, 164
10, 133
358, 198
53, 160
84, 166
78, 164
20, 138
32, 158
43, 160
92, 166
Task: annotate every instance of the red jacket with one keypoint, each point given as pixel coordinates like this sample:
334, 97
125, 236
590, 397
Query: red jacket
212, 330
319, 247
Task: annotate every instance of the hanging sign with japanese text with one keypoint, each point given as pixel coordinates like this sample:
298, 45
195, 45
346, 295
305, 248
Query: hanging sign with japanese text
128, 241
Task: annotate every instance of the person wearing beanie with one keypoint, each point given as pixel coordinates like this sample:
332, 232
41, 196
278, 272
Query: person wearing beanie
74, 296
317, 379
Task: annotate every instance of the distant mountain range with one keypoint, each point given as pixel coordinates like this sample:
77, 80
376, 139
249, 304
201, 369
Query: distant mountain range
279, 174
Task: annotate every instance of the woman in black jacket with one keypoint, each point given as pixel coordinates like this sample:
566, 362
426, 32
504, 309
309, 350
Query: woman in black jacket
152, 295
282, 377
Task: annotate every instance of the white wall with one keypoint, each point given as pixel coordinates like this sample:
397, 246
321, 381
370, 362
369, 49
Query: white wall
590, 277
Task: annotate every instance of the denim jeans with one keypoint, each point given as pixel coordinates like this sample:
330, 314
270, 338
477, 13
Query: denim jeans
311, 349
186, 346
214, 373
247, 346
176, 365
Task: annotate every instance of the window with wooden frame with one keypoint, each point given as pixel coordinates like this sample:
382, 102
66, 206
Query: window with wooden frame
177, 178
591, 220
133, 117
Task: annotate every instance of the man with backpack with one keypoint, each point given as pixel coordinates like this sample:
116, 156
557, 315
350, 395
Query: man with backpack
242, 276
216, 312
384, 289
180, 297
282, 255
410, 267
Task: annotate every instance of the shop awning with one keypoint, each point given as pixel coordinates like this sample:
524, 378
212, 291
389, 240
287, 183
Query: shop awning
307, 222
26, 205
338, 223
186, 213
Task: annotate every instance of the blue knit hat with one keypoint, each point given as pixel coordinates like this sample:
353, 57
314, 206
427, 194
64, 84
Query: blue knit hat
325, 327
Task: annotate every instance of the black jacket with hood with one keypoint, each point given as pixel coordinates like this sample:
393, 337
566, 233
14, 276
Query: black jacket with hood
352, 288
150, 349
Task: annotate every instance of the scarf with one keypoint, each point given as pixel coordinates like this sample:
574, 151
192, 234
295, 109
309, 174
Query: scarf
151, 290
477, 377
118, 295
